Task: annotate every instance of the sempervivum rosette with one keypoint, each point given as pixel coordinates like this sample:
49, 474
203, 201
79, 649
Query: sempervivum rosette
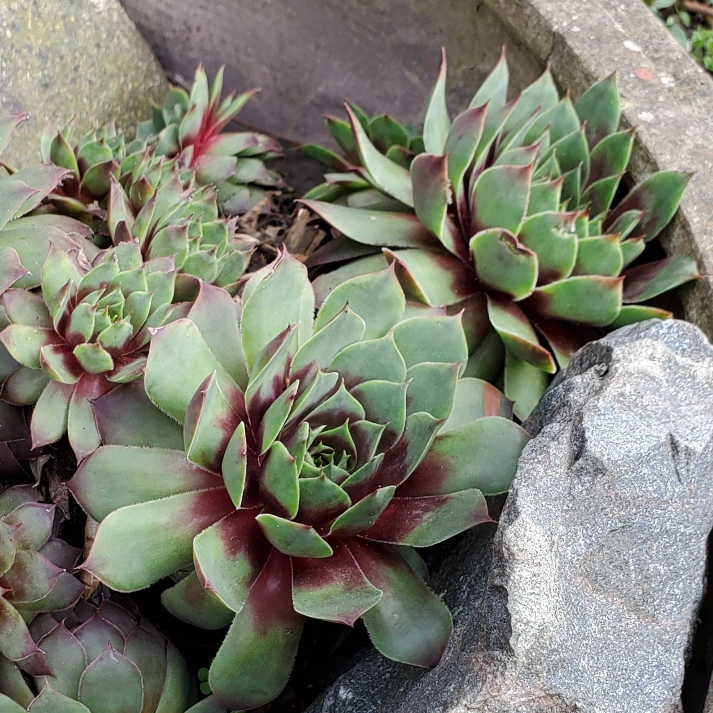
190, 127
508, 215
34, 575
102, 659
84, 333
313, 455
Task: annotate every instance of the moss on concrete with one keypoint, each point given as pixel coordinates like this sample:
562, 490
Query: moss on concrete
64, 59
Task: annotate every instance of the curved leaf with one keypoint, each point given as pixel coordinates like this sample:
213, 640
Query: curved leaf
437, 123
229, 555
137, 545
334, 589
503, 263
375, 227
384, 173
646, 281
428, 520
190, 602
116, 476
256, 657
392, 623
482, 454
358, 294
587, 299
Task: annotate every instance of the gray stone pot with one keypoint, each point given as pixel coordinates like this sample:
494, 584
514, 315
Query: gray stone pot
308, 55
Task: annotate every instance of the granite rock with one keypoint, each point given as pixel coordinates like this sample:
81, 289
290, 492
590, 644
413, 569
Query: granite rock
64, 59
586, 599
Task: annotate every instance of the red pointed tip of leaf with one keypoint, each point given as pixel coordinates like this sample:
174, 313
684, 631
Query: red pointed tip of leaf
35, 664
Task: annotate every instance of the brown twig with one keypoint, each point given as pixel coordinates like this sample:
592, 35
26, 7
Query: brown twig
699, 7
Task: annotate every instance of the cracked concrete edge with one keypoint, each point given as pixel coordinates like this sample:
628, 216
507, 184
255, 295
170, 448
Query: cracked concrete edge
664, 93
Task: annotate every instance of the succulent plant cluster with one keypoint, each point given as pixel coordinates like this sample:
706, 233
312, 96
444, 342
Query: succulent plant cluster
175, 188
508, 215
190, 127
279, 447
313, 455
97, 659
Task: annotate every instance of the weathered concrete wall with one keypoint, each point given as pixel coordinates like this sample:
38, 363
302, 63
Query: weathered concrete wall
61, 59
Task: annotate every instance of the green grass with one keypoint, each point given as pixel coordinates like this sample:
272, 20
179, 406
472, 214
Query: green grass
690, 24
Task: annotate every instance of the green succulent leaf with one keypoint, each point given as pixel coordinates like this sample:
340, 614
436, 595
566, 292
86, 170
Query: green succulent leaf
552, 237
375, 227
179, 349
255, 659
50, 415
427, 520
112, 677
433, 278
370, 360
229, 556
431, 338
320, 500
358, 293
293, 538
503, 263
363, 514
334, 589
278, 480
116, 476
599, 107
524, 385
586, 299
500, 198
475, 399
67, 658
384, 173
190, 602
332, 334
431, 388
393, 629
437, 123
282, 299
429, 176
209, 424
448, 469
630, 314
659, 196
493, 91
540, 95
600, 255
139, 544
517, 334
651, 279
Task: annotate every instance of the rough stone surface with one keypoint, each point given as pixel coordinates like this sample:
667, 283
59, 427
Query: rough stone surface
72, 58
598, 562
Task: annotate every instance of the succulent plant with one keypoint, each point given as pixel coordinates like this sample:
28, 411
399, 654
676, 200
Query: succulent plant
28, 225
172, 217
100, 659
97, 157
86, 332
508, 216
34, 576
312, 457
189, 127
396, 141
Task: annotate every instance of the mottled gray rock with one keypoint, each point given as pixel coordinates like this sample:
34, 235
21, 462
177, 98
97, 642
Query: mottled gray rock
598, 562
72, 58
